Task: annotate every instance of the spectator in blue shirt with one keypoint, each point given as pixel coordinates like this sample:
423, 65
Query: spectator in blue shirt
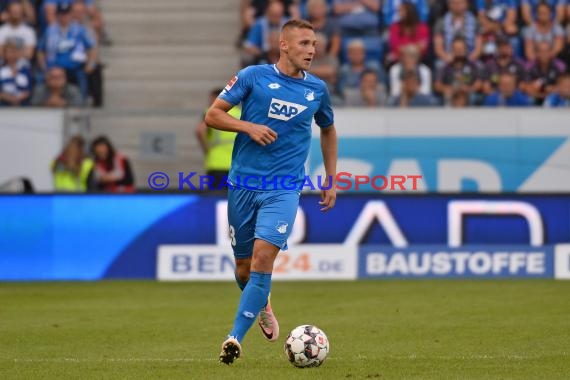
257, 41
15, 79
391, 10
69, 45
507, 94
95, 15
529, 8
561, 97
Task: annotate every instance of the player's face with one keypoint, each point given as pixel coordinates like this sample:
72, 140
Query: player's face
299, 46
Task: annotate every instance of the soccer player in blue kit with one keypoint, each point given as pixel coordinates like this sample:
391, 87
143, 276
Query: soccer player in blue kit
279, 103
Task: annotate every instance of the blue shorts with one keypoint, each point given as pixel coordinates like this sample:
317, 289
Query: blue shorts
265, 215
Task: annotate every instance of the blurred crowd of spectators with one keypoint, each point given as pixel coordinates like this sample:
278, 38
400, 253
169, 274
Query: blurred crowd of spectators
405, 53
49, 53
102, 169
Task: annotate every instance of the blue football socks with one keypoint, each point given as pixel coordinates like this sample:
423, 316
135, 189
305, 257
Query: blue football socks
253, 299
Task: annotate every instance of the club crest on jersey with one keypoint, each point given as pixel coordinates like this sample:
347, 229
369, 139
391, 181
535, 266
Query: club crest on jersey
282, 110
309, 95
231, 83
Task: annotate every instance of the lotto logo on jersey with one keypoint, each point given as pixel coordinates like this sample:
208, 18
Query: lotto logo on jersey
282, 110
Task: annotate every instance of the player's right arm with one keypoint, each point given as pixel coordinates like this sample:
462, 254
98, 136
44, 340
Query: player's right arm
236, 91
217, 117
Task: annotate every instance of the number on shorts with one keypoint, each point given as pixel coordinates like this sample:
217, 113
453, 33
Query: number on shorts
233, 235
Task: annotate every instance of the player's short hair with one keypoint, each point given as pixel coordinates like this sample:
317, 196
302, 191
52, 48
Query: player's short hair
563, 76
297, 23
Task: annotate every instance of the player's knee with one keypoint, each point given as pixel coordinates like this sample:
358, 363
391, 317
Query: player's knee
263, 259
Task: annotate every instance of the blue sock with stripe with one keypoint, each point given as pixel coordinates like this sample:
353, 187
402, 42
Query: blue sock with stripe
253, 299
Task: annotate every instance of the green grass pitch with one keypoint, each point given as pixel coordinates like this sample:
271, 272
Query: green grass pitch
451, 329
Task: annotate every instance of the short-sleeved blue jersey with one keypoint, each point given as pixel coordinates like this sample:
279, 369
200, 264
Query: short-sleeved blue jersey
287, 105
66, 48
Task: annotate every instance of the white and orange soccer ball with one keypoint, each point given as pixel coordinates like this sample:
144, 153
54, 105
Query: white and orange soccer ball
307, 346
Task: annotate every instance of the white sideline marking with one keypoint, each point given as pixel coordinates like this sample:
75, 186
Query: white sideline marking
110, 360
358, 357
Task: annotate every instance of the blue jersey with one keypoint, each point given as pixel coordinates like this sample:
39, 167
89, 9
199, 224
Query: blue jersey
287, 105
67, 49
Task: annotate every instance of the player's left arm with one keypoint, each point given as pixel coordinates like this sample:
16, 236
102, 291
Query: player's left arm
329, 148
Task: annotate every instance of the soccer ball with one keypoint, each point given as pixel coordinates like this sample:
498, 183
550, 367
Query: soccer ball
307, 346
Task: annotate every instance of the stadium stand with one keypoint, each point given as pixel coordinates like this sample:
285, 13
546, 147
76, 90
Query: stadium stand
166, 55
462, 44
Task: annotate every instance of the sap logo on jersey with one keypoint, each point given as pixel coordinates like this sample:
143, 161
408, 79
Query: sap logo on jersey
282, 110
